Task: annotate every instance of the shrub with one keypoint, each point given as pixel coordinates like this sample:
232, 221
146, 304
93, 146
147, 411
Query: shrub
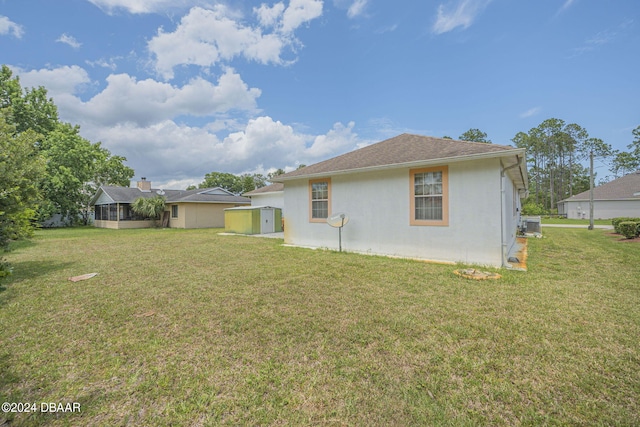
629, 229
533, 208
616, 222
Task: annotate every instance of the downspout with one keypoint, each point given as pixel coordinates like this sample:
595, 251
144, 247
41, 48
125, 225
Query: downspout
503, 203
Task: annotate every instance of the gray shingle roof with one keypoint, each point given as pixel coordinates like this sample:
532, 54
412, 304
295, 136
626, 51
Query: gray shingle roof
129, 195
402, 149
627, 187
278, 186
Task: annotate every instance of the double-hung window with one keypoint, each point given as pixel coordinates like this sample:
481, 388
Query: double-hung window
429, 196
174, 211
319, 199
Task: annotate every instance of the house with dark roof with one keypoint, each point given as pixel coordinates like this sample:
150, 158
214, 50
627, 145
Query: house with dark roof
201, 208
412, 196
617, 198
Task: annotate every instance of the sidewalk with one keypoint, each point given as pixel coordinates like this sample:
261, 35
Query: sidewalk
601, 227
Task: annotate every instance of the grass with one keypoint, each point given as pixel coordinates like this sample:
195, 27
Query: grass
186, 327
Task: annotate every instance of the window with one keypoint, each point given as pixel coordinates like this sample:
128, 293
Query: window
174, 211
319, 199
429, 196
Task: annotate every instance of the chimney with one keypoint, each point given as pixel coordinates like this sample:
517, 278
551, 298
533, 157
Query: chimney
144, 185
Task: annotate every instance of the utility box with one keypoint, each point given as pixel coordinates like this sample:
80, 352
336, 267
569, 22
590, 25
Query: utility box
532, 224
253, 220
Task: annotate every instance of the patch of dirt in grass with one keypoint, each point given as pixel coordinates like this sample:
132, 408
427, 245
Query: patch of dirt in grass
623, 239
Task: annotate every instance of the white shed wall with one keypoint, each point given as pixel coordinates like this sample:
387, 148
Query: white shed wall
378, 207
275, 199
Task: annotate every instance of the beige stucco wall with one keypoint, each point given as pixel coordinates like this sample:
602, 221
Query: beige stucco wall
199, 215
378, 207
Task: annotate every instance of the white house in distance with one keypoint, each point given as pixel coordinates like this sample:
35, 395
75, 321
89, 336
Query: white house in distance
412, 196
617, 198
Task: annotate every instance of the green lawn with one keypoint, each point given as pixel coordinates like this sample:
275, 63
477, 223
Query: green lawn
186, 327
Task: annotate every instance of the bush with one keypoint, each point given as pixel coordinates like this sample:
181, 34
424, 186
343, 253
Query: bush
616, 222
533, 208
629, 229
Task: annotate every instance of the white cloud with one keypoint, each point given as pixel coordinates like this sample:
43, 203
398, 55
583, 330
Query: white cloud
145, 102
566, 5
70, 40
300, 12
357, 8
144, 6
207, 37
9, 27
530, 112
460, 13
174, 156
269, 16
62, 81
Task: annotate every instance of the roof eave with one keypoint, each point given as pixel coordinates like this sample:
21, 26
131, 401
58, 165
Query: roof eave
438, 161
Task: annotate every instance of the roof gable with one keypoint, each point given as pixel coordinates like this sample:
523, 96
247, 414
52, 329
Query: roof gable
273, 188
402, 150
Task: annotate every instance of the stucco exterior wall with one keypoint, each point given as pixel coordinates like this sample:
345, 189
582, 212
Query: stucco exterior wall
602, 209
378, 207
199, 215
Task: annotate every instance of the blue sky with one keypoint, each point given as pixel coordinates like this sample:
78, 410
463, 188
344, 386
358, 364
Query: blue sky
186, 87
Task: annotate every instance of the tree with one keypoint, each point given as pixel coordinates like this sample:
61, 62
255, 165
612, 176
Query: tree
475, 135
75, 170
20, 170
624, 163
28, 109
554, 150
149, 207
275, 173
225, 180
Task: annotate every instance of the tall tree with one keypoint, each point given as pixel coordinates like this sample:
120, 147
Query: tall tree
554, 150
475, 135
75, 169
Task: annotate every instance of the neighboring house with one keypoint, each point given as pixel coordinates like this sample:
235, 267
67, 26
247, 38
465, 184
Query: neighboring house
201, 208
617, 198
412, 196
270, 195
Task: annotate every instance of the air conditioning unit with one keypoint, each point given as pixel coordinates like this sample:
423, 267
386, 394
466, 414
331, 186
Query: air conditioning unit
531, 224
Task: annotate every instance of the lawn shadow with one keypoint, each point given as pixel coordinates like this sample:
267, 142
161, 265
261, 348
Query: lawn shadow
27, 270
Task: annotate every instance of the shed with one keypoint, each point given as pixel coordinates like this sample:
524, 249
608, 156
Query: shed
253, 220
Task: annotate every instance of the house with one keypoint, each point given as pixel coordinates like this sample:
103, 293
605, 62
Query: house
270, 195
617, 198
201, 208
412, 196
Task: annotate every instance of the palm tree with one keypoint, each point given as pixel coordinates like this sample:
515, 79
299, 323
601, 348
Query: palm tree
151, 208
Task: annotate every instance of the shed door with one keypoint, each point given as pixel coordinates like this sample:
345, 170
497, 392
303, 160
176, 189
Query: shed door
267, 217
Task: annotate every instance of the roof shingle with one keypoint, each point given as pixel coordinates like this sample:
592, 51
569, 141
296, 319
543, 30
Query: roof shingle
627, 187
405, 148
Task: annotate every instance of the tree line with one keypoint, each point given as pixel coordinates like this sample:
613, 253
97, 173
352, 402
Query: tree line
556, 152
46, 167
